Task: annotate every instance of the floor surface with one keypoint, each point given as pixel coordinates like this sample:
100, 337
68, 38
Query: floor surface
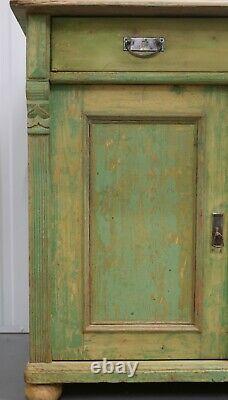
14, 355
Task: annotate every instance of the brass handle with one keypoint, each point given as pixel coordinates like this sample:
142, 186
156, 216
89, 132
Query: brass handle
143, 47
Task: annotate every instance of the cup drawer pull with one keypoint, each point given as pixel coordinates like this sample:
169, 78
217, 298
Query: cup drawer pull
143, 47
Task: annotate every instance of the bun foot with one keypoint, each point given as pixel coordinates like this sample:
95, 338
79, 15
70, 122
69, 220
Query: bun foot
43, 392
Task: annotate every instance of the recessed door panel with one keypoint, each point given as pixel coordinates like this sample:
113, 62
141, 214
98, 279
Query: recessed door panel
142, 201
134, 177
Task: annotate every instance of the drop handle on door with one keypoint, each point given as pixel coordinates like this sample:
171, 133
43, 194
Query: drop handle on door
143, 46
217, 230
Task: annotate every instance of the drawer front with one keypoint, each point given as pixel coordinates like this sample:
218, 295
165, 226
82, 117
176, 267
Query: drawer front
96, 44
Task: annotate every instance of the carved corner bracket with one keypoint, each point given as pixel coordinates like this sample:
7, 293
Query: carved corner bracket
38, 113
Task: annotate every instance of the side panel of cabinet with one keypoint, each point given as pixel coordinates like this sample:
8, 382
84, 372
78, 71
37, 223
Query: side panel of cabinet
136, 172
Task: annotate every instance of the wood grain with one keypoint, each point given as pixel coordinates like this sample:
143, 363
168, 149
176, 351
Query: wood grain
191, 45
38, 129
133, 8
43, 392
68, 129
124, 176
38, 47
171, 144
38, 234
176, 78
148, 371
164, 3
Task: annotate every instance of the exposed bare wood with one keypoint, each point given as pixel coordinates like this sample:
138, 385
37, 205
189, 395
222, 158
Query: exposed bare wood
43, 392
152, 3
147, 371
211, 8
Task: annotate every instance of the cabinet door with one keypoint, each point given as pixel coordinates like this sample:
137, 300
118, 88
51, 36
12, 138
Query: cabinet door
137, 172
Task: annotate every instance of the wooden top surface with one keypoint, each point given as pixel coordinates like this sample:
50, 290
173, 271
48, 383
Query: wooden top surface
160, 3
209, 8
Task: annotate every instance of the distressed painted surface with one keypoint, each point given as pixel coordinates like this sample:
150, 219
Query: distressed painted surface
62, 236
142, 217
148, 78
147, 371
38, 47
96, 44
67, 220
39, 276
69, 237
38, 90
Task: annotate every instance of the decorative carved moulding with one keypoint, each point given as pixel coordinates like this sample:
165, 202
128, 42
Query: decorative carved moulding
38, 107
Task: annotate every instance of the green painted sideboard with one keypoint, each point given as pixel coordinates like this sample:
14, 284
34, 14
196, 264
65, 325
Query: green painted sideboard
128, 200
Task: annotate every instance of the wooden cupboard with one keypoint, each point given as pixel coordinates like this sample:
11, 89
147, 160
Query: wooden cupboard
128, 151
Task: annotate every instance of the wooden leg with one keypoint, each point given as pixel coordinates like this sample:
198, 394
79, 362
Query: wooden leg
43, 392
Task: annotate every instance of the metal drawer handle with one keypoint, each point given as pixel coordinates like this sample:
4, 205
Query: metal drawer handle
143, 47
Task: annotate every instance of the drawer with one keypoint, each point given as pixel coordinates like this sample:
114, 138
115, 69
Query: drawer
96, 44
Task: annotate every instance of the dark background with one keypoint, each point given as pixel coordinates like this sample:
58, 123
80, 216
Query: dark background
14, 356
